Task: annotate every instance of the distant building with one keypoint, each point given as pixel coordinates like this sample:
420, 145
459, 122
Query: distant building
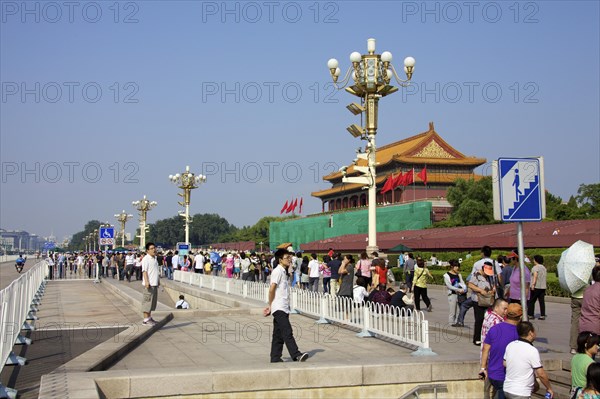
18, 240
412, 207
444, 164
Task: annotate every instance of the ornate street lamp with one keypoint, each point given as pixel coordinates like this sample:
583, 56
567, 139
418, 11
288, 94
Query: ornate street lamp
371, 74
187, 181
143, 206
95, 238
122, 218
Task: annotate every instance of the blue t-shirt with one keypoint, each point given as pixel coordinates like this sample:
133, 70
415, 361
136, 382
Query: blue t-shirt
498, 338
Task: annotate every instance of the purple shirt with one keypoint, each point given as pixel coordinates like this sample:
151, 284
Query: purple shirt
515, 283
498, 338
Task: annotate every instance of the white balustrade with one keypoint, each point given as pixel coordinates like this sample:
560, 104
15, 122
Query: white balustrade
400, 324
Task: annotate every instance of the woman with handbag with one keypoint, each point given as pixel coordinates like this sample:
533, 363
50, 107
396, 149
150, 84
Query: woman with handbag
482, 294
457, 290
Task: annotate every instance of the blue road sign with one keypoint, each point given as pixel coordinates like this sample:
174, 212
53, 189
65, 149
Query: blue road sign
183, 248
521, 189
107, 232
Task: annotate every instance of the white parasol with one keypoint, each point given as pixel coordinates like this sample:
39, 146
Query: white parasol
575, 266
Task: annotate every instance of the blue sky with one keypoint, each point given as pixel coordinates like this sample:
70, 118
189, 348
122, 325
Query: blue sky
102, 101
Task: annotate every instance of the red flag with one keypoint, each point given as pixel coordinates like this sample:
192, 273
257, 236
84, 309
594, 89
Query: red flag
295, 205
284, 207
301, 201
398, 180
388, 184
290, 207
409, 178
423, 175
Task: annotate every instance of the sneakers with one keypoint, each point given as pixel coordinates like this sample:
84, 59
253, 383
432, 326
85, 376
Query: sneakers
429, 308
477, 343
149, 322
458, 325
302, 357
573, 352
542, 318
277, 361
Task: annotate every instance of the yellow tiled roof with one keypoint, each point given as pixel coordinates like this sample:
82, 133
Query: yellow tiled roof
424, 148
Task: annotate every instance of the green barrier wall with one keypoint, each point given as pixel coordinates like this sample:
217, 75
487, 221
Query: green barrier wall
390, 218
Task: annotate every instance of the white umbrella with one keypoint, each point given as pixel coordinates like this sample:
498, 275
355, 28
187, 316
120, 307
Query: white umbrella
575, 266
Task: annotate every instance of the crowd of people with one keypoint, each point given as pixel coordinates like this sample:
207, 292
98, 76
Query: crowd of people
509, 365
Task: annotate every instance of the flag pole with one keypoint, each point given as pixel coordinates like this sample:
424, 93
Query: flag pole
413, 182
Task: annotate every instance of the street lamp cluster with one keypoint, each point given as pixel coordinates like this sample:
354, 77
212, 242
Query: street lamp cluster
122, 218
371, 75
187, 181
143, 206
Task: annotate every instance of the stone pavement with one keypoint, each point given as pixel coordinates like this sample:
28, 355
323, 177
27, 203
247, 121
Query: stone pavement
223, 350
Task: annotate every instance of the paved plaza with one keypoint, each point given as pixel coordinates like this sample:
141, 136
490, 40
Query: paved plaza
89, 338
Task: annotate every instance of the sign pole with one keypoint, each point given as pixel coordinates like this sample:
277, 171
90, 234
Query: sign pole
521, 249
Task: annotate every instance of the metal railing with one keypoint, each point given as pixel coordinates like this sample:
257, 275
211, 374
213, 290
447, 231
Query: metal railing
18, 302
8, 258
372, 319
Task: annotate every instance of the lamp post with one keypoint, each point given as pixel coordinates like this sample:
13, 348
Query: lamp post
187, 181
143, 206
122, 218
371, 74
95, 238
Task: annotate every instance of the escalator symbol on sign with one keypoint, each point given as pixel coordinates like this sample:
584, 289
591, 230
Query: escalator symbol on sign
520, 189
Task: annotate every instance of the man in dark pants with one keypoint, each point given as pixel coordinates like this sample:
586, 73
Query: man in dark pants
279, 306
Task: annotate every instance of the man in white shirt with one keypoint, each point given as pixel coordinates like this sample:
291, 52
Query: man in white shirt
175, 261
129, 263
182, 303
151, 281
486, 253
313, 273
523, 365
199, 263
279, 307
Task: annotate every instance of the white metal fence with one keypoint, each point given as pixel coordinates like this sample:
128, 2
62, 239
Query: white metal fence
8, 258
18, 302
403, 325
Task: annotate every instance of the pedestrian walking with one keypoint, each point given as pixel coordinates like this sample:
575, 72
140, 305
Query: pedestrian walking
151, 281
279, 307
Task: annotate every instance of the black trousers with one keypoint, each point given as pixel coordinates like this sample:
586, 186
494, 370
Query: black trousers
537, 295
479, 316
282, 333
421, 293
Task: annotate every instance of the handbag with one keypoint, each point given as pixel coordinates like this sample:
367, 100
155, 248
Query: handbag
485, 300
358, 272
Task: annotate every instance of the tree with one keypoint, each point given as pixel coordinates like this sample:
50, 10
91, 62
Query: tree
588, 198
77, 241
472, 202
204, 229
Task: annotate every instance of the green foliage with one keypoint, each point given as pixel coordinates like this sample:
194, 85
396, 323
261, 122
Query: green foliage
204, 229
77, 241
472, 203
257, 233
588, 198
208, 229
586, 205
